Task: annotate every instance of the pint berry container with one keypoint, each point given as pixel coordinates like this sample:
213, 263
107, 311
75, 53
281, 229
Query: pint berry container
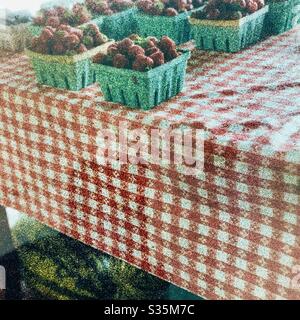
228, 35
142, 90
66, 72
176, 27
118, 25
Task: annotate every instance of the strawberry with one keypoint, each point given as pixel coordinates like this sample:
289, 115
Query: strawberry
112, 50
171, 12
135, 50
142, 63
82, 48
120, 61
46, 35
99, 58
152, 50
71, 41
53, 22
125, 44
166, 44
158, 58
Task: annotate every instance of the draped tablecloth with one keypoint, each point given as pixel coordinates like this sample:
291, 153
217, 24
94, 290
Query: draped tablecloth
230, 232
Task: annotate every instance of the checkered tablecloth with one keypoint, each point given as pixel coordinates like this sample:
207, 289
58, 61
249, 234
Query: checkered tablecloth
230, 232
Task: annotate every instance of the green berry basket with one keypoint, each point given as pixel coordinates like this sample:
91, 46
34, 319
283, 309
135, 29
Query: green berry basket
143, 90
176, 27
117, 26
282, 16
228, 35
66, 72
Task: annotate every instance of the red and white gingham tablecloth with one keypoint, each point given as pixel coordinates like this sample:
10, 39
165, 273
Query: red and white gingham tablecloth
231, 232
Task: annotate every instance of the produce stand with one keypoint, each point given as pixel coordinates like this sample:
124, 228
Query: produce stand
229, 232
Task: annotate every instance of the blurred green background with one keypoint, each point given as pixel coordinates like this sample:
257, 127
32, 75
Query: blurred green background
54, 266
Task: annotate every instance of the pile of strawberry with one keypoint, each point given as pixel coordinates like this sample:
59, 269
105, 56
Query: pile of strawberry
66, 40
167, 7
59, 15
228, 9
141, 54
108, 7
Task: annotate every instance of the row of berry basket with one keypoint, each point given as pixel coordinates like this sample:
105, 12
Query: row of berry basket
218, 35
135, 89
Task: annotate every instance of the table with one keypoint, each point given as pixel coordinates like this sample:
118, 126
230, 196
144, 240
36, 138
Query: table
230, 232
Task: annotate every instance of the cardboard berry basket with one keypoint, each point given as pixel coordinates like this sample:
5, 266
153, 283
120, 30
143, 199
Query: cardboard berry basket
66, 72
176, 27
143, 90
14, 38
282, 16
117, 26
228, 35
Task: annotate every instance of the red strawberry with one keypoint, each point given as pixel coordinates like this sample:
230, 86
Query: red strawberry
260, 3
166, 44
171, 12
60, 11
71, 41
142, 63
124, 45
172, 54
53, 22
112, 50
82, 48
99, 58
152, 50
158, 58
46, 35
35, 42
51, 29
77, 32
64, 27
120, 61
252, 6
135, 50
